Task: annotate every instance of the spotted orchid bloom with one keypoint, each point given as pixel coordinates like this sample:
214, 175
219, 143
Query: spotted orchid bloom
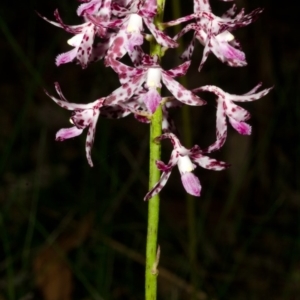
131, 34
84, 116
237, 115
186, 160
148, 76
214, 33
84, 34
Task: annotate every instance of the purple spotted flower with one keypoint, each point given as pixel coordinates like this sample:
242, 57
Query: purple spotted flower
84, 34
146, 79
237, 115
186, 160
214, 33
84, 115
81, 42
131, 34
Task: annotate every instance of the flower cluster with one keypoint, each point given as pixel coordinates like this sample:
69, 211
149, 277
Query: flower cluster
111, 29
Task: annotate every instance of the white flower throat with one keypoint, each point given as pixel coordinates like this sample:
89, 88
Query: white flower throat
135, 23
185, 164
153, 78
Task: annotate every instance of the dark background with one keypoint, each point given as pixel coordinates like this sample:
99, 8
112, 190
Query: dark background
69, 231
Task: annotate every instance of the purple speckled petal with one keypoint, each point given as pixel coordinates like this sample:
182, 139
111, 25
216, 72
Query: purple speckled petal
180, 93
253, 90
73, 106
74, 29
221, 121
186, 29
118, 45
67, 133
240, 127
251, 95
118, 10
180, 70
66, 57
149, 9
247, 97
164, 176
209, 163
173, 138
234, 111
91, 7
136, 56
191, 184
179, 20
126, 91
91, 136
82, 118
126, 73
207, 46
163, 167
201, 5
221, 129
85, 47
70, 106
160, 37
188, 52
100, 22
158, 186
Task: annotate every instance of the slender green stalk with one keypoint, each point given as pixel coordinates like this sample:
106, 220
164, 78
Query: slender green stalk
154, 175
153, 210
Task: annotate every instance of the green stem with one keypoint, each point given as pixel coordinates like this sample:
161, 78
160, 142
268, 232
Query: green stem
153, 210
154, 175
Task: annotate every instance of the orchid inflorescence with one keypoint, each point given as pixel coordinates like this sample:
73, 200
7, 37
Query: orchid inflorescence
119, 26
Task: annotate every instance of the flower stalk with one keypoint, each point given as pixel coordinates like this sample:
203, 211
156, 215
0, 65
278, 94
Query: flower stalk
152, 251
